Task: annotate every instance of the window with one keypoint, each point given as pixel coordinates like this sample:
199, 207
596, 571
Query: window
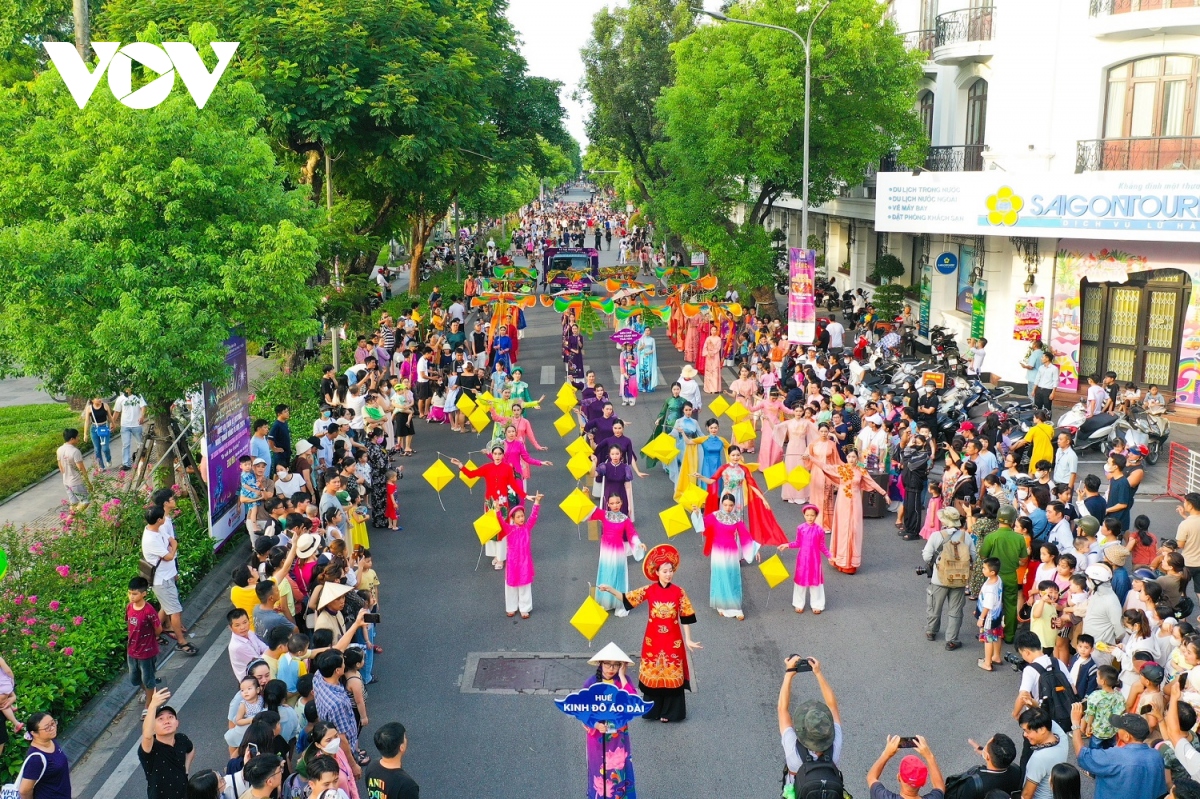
976, 112
1152, 97
926, 111
929, 11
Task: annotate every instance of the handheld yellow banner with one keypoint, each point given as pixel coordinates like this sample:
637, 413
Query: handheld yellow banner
775, 475
773, 570
694, 496
566, 402
438, 475
579, 448
675, 520
662, 448
579, 466
589, 618
577, 506
799, 477
487, 527
465, 404
744, 431
479, 420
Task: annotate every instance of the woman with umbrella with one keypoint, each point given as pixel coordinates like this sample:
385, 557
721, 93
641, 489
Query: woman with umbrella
665, 670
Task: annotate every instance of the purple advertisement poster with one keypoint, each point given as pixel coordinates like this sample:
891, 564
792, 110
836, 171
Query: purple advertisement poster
802, 305
227, 438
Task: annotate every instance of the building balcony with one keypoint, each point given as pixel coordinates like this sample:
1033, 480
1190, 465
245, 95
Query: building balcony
964, 36
962, 158
923, 40
1166, 152
1133, 19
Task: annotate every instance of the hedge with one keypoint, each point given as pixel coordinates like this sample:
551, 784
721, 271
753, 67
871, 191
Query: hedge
29, 436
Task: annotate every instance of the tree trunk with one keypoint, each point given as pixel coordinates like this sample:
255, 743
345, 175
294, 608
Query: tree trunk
160, 447
83, 27
414, 264
308, 170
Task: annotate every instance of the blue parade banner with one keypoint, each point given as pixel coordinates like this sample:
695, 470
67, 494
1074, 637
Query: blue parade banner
603, 702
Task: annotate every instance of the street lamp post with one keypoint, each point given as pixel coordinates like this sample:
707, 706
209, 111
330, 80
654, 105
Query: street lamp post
806, 42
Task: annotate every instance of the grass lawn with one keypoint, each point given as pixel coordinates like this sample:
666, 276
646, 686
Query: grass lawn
29, 435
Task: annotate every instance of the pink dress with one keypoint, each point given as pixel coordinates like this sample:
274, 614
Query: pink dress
712, 364
848, 516
691, 339
516, 456
525, 431
629, 381
770, 453
810, 548
932, 524
743, 391
794, 451
822, 455
518, 569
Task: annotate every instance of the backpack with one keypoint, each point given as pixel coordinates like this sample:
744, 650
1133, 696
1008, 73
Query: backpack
1184, 607
953, 562
1057, 694
295, 787
818, 778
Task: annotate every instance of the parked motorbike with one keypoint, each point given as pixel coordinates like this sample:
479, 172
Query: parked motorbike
1088, 433
1141, 427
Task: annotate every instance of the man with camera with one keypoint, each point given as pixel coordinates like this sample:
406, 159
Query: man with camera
812, 736
914, 458
998, 772
948, 555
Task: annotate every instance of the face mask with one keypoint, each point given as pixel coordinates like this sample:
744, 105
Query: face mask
1022, 493
1107, 468
332, 747
325, 414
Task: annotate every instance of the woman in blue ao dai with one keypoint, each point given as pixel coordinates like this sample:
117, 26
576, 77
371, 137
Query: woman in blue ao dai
618, 540
727, 542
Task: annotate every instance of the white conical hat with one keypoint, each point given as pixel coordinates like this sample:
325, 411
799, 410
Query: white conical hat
610, 654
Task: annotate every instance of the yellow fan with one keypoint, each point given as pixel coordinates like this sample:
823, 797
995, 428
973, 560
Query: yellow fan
479, 419
438, 475
694, 496
589, 618
465, 404
773, 570
470, 481
775, 475
799, 478
579, 466
744, 431
675, 520
662, 448
566, 390
566, 402
487, 527
579, 448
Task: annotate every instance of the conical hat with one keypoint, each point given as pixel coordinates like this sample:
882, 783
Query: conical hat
610, 654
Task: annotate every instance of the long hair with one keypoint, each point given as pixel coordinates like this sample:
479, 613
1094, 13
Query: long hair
1064, 781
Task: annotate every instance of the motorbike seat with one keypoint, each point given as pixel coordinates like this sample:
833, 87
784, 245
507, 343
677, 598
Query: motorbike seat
1093, 424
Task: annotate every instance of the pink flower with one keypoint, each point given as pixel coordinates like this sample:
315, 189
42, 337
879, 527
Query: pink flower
26, 631
32, 600
36, 547
63, 571
18, 599
34, 646
51, 644
68, 651
54, 604
78, 620
616, 758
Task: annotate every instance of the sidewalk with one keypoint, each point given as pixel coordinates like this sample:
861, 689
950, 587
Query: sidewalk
40, 502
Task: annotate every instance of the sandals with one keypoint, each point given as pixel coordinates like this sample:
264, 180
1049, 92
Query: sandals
524, 615
187, 649
510, 615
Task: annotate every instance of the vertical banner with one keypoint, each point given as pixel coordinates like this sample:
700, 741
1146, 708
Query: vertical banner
978, 309
963, 291
1029, 315
227, 438
926, 300
802, 303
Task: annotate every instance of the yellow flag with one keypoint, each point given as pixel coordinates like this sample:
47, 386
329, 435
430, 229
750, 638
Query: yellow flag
719, 406
565, 424
480, 419
470, 481
487, 527
776, 475
675, 520
589, 618
465, 404
438, 475
577, 506
579, 448
773, 569
799, 477
737, 412
694, 496
566, 402
579, 466
744, 431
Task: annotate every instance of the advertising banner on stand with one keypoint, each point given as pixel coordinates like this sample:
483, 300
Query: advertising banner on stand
978, 309
926, 300
802, 303
227, 438
1029, 314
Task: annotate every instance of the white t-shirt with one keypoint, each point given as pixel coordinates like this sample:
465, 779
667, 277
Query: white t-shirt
977, 361
70, 461
793, 757
835, 331
456, 311
422, 369
155, 545
1029, 676
130, 409
290, 486
1043, 760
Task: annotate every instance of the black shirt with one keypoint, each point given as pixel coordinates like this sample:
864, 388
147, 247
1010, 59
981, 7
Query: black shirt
166, 768
479, 339
281, 435
1008, 781
328, 388
390, 783
927, 406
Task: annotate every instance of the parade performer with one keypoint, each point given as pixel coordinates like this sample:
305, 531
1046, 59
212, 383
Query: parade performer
618, 540
702, 457
691, 339
600, 427
647, 353
770, 409
712, 361
727, 542
664, 673
573, 351
614, 478
609, 757
524, 428
743, 390
735, 480
850, 481
689, 389
822, 454
502, 347
629, 375
520, 389
810, 548
500, 409
672, 409
503, 489
518, 572
517, 456
683, 431
794, 438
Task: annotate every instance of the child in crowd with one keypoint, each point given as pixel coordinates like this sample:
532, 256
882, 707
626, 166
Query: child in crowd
332, 519
1165, 548
1082, 668
990, 610
1045, 611
393, 515
362, 468
292, 664
1102, 705
251, 705
1131, 393
437, 408
1147, 692
141, 651
1085, 552
932, 524
1155, 402
1141, 543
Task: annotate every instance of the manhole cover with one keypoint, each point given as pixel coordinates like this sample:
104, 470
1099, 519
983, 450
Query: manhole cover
525, 672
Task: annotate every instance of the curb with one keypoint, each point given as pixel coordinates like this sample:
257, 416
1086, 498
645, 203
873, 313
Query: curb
92, 722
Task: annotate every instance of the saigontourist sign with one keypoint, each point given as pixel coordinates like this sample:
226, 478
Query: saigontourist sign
165, 60
1137, 206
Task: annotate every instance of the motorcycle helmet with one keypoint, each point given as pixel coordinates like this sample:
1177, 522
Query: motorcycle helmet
1144, 574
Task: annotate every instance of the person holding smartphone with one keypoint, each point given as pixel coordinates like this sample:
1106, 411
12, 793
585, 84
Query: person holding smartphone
914, 772
812, 734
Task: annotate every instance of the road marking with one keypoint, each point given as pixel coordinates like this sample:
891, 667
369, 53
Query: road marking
129, 764
547, 378
662, 379
616, 375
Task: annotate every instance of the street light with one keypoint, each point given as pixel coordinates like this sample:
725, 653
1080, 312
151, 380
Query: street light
806, 42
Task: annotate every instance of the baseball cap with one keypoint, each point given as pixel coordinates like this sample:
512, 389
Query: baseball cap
1154, 673
914, 772
258, 461
165, 709
1133, 724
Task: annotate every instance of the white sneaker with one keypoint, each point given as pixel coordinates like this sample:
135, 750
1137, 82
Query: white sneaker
622, 613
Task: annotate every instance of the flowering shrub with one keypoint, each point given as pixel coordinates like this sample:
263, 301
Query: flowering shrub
62, 602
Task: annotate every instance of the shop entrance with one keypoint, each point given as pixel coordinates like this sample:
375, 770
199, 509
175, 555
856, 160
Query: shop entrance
1133, 328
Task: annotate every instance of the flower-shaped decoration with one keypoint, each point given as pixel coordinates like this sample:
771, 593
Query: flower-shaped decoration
1003, 207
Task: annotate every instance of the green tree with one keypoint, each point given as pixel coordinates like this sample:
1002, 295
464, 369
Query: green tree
734, 122
134, 242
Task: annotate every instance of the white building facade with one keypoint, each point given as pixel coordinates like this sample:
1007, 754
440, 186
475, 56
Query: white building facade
1063, 177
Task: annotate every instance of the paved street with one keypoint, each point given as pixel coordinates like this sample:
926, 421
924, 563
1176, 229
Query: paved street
437, 610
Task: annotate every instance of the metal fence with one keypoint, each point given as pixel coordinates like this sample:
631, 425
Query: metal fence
962, 158
1104, 8
1158, 152
1183, 471
965, 25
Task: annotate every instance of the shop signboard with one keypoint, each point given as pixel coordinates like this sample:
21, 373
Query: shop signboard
1140, 206
802, 304
926, 300
1028, 317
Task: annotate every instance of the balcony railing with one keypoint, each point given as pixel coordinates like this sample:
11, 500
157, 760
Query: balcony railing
923, 40
964, 25
963, 158
1167, 152
1104, 8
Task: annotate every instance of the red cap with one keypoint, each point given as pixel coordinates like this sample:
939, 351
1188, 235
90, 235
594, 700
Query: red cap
913, 771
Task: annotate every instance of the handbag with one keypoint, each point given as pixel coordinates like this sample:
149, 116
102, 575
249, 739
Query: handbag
146, 569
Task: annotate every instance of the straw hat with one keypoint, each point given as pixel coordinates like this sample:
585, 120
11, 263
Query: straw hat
308, 545
688, 371
610, 654
1116, 554
330, 592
